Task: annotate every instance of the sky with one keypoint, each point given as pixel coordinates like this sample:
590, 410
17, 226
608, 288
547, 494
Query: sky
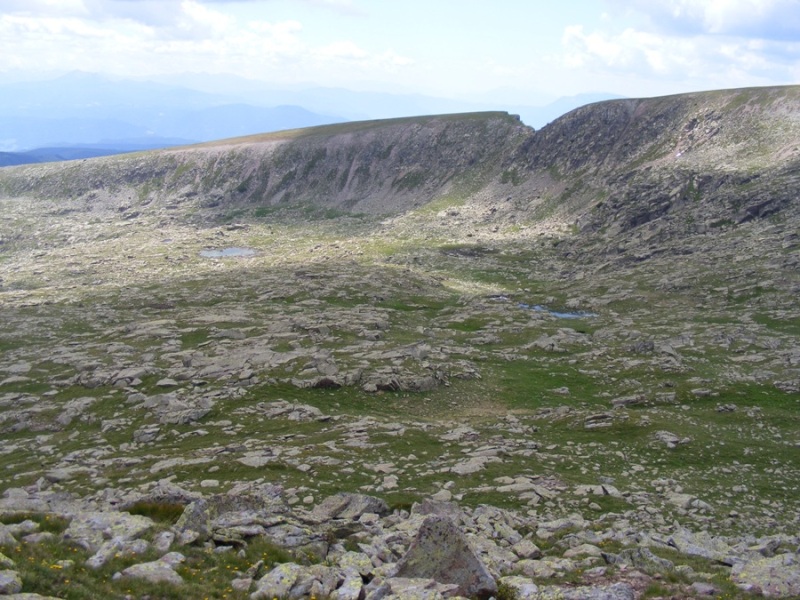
527, 51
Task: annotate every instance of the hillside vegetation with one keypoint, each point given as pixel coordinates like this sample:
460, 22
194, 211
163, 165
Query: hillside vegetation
580, 343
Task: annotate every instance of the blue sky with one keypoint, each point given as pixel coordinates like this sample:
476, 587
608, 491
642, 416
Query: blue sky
527, 51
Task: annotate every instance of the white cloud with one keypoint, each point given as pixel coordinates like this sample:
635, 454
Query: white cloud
721, 43
149, 37
763, 19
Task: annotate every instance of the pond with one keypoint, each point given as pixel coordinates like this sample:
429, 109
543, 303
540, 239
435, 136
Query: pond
558, 314
539, 308
227, 252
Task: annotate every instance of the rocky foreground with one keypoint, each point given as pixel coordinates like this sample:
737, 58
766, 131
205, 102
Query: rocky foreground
352, 546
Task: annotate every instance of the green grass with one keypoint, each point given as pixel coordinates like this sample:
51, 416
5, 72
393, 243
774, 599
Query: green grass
161, 512
206, 574
787, 326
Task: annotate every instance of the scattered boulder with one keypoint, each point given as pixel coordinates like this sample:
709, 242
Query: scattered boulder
348, 506
278, 582
10, 583
158, 571
441, 552
91, 530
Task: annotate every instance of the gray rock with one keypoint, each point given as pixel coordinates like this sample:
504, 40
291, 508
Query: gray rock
416, 588
617, 591
776, 577
158, 571
351, 589
523, 588
526, 549
233, 517
10, 582
704, 589
640, 558
441, 552
90, 530
6, 538
278, 582
348, 506
702, 544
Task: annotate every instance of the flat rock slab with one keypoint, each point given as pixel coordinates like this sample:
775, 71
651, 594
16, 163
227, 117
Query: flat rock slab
617, 591
158, 571
92, 529
777, 577
348, 506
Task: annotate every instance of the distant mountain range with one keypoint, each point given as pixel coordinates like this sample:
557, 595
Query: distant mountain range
82, 115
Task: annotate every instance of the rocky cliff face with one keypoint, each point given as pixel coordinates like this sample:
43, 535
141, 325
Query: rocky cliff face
372, 167
676, 165
679, 164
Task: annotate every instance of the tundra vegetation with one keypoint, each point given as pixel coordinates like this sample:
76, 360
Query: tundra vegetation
580, 343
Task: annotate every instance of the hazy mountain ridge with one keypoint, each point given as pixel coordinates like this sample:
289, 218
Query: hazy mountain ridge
80, 108
610, 167
374, 167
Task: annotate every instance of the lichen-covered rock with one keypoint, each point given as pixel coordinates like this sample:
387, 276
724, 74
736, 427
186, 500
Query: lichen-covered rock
356, 561
232, 517
776, 577
158, 571
441, 552
617, 591
522, 587
278, 582
91, 530
116, 548
412, 588
352, 587
641, 558
348, 506
702, 544
10, 582
6, 538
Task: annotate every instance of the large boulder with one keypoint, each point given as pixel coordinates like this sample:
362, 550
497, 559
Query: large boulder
441, 552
